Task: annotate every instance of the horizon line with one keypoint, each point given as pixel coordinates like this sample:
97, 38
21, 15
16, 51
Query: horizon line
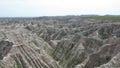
58, 16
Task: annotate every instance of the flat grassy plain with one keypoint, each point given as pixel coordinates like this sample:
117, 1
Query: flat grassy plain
112, 18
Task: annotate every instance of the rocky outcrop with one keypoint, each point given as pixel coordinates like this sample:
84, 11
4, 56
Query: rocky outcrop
113, 63
25, 50
103, 56
59, 42
69, 53
5, 47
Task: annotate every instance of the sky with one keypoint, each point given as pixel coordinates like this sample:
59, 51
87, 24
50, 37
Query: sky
35, 8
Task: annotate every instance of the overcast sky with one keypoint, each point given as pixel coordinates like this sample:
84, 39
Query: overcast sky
28, 8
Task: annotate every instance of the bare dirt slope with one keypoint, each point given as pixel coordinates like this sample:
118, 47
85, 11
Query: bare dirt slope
59, 42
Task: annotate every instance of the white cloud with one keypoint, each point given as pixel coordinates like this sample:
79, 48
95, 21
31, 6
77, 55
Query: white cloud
60, 7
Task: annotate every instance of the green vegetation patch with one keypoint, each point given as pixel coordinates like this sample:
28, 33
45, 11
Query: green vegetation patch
112, 18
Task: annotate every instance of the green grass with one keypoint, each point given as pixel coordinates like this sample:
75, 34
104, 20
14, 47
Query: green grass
105, 18
18, 65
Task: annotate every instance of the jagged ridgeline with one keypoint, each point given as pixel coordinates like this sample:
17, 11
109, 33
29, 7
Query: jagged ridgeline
88, 41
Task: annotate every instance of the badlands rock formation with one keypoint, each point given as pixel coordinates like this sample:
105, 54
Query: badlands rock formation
59, 42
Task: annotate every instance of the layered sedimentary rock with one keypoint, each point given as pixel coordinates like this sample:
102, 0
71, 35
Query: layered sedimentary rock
21, 49
59, 42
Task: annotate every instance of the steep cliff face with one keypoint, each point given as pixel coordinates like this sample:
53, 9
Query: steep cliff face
113, 63
69, 52
21, 49
5, 47
103, 56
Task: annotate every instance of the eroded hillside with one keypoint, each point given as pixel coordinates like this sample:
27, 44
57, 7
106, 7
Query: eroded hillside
59, 42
